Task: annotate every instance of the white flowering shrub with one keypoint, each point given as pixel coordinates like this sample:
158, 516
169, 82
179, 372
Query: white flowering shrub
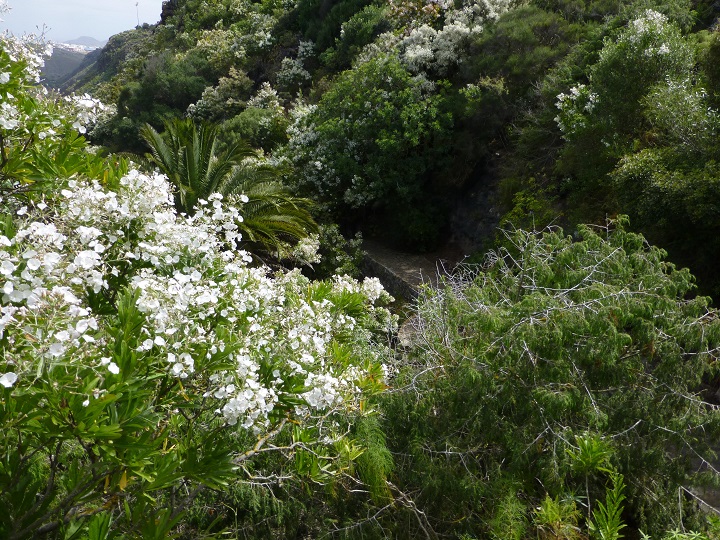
266, 98
221, 48
39, 132
431, 49
574, 106
304, 252
680, 109
88, 111
224, 100
426, 49
142, 356
292, 74
646, 52
363, 140
253, 33
216, 337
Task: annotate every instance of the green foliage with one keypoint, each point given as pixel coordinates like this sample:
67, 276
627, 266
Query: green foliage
592, 454
510, 520
356, 32
322, 21
272, 215
62, 454
607, 521
523, 44
711, 67
187, 154
554, 340
261, 128
224, 100
376, 462
582, 10
602, 120
190, 157
679, 535
557, 519
375, 134
338, 255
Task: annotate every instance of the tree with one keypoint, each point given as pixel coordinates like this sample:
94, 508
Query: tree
603, 120
371, 142
558, 360
189, 155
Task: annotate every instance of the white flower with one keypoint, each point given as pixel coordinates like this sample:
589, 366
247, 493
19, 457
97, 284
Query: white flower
56, 349
8, 379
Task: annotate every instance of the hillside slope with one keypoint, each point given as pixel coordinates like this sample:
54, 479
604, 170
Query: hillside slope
392, 114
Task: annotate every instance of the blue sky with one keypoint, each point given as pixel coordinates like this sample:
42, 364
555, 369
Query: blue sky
69, 19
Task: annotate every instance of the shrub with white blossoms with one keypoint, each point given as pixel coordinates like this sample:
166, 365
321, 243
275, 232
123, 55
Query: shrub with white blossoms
648, 51
189, 279
141, 339
142, 357
427, 49
87, 109
292, 74
31, 118
266, 98
574, 106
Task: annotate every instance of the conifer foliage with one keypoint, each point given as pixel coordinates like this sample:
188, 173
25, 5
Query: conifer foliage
557, 343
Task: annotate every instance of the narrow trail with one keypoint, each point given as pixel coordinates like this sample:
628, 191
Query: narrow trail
402, 273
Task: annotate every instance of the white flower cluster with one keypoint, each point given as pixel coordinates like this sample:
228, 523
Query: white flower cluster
306, 250
21, 60
198, 295
573, 108
426, 49
645, 28
219, 45
651, 22
306, 49
257, 35
370, 287
266, 98
681, 109
292, 73
31, 50
87, 109
650, 36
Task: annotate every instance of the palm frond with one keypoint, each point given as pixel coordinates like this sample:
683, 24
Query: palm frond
190, 157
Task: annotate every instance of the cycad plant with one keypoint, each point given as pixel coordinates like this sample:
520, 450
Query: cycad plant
189, 154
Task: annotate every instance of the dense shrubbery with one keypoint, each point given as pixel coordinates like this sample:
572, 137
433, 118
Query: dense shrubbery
144, 359
372, 138
556, 365
554, 392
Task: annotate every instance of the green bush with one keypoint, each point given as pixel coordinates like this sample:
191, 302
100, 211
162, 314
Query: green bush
373, 139
552, 344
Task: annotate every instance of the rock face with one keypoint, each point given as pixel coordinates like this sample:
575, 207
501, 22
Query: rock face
476, 214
